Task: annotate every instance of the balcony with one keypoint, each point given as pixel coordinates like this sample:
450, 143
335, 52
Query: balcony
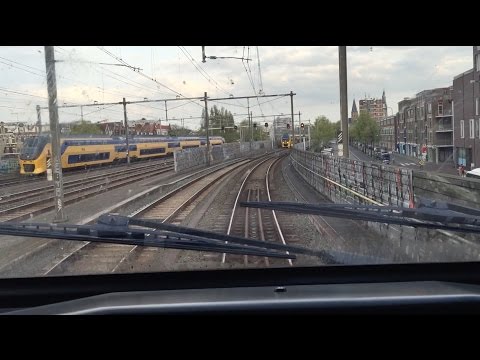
443, 142
445, 128
445, 114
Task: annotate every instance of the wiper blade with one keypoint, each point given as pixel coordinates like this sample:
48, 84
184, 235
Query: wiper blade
221, 237
115, 229
433, 215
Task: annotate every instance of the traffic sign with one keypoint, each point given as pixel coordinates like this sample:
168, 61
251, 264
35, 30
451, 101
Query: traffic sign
340, 146
340, 137
340, 153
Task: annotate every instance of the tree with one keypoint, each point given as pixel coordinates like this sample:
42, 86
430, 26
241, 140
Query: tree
176, 130
259, 133
365, 130
337, 127
322, 131
217, 119
85, 127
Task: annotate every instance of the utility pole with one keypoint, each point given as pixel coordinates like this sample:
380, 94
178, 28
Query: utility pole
273, 128
39, 120
293, 120
55, 134
309, 138
249, 125
251, 129
300, 124
126, 129
81, 112
206, 126
342, 59
166, 112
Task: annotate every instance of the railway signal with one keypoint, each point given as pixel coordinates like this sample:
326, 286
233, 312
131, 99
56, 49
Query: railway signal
288, 126
235, 127
266, 125
254, 125
302, 125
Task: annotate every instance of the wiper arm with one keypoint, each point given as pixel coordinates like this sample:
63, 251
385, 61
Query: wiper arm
433, 215
221, 237
115, 229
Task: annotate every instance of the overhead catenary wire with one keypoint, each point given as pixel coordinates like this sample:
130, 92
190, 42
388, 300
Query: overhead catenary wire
202, 71
42, 74
138, 71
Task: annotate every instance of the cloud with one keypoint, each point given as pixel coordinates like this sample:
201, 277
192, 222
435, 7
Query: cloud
310, 72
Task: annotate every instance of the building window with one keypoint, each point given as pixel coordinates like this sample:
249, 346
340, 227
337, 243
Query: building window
462, 129
472, 128
429, 108
476, 106
478, 128
440, 107
478, 62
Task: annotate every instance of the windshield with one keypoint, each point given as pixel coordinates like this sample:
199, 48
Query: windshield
348, 150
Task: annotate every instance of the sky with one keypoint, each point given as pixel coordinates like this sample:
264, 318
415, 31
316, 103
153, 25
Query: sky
86, 75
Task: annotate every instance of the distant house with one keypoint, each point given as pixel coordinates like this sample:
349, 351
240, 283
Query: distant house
135, 127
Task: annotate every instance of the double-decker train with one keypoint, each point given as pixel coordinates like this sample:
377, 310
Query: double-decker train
286, 141
78, 152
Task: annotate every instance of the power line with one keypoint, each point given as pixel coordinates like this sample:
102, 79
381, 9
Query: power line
138, 71
144, 75
259, 72
16, 67
221, 102
61, 76
17, 92
42, 74
201, 70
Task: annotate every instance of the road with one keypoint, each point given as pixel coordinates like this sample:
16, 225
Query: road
356, 154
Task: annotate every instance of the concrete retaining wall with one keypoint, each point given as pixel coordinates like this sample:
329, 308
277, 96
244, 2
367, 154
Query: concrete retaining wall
394, 186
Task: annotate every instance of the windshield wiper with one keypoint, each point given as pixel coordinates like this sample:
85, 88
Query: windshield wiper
115, 229
433, 215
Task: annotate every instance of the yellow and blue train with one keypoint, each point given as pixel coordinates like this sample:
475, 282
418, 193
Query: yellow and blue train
286, 141
79, 152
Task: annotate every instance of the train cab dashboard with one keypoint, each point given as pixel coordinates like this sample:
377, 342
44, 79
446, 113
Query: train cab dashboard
451, 288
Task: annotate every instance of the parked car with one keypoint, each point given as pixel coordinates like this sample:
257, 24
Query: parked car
385, 158
475, 173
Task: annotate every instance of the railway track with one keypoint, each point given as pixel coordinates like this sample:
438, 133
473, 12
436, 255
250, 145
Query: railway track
173, 207
321, 224
97, 179
258, 224
75, 191
17, 180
